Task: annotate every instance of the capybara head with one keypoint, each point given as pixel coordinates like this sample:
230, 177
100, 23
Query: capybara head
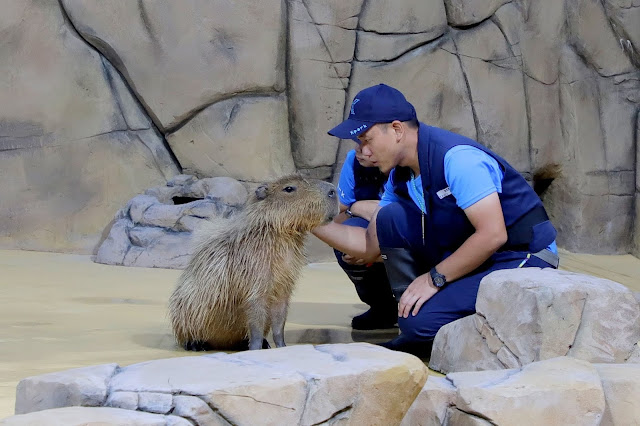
295, 203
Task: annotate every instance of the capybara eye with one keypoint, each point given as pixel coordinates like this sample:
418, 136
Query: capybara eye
332, 193
289, 188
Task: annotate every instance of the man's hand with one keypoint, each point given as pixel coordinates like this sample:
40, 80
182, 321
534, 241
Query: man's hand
352, 260
418, 292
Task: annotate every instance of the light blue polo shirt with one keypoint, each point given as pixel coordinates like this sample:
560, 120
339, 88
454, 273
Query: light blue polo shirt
470, 173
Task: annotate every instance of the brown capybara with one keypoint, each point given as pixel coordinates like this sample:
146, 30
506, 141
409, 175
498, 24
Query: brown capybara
239, 280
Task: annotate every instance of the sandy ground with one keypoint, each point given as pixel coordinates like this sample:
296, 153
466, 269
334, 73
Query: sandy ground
64, 311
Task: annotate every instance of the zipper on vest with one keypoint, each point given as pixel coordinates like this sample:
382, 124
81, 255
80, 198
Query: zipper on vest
423, 243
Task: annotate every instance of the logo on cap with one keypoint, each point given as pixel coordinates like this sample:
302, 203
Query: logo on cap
358, 130
355, 101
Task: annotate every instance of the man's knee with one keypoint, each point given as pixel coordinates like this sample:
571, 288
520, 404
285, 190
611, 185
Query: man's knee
391, 225
427, 323
419, 328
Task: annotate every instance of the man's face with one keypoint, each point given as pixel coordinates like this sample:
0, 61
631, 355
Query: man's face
379, 147
363, 159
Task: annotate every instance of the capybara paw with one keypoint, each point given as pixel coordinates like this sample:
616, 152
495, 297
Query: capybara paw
197, 345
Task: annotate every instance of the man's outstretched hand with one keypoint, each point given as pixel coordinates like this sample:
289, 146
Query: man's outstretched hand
418, 292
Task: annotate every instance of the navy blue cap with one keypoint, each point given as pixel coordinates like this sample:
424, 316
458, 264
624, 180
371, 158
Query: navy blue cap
376, 104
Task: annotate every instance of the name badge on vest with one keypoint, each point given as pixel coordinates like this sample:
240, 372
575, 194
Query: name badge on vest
443, 193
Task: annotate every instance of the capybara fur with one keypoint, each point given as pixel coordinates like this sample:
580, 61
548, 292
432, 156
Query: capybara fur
239, 280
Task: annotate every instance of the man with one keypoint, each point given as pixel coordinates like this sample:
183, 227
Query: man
453, 212
359, 189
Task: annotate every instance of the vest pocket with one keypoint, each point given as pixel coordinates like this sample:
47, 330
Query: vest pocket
544, 233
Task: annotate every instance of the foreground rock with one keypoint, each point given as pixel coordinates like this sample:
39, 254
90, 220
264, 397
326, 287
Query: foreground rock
81, 416
529, 314
355, 383
558, 391
156, 229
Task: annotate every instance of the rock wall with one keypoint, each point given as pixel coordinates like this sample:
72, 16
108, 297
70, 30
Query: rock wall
99, 102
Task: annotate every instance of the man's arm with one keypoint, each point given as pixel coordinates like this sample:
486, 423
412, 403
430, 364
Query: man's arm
490, 234
364, 208
357, 242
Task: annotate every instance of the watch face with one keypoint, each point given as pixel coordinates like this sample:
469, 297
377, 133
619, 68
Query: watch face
439, 281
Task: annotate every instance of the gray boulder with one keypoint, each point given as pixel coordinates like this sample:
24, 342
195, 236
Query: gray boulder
157, 229
354, 383
531, 314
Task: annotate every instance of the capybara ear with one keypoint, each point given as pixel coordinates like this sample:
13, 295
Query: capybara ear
261, 192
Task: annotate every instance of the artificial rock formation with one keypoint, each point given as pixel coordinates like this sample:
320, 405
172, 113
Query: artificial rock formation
354, 383
558, 391
157, 229
103, 101
531, 314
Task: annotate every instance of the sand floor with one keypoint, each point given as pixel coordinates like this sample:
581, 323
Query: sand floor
62, 311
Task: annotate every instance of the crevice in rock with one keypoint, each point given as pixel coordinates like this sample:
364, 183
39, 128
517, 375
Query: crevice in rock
438, 40
126, 81
177, 200
493, 62
216, 411
257, 92
293, 136
504, 344
334, 415
544, 177
334, 167
336, 357
476, 24
308, 387
476, 415
579, 327
324, 42
618, 30
114, 91
232, 116
324, 25
153, 153
631, 352
398, 34
258, 401
540, 81
476, 121
148, 26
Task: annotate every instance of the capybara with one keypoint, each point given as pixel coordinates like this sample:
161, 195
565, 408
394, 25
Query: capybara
239, 280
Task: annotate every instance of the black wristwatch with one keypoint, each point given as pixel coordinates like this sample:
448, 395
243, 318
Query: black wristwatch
438, 279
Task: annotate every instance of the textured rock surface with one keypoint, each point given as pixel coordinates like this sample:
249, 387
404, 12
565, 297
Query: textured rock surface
354, 383
431, 405
528, 315
245, 138
90, 94
74, 144
81, 386
558, 391
621, 384
157, 229
81, 416
179, 57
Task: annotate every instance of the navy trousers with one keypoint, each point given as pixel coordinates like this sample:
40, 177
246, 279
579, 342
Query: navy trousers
399, 226
371, 282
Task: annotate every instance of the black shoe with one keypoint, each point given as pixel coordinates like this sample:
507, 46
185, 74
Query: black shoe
419, 349
374, 319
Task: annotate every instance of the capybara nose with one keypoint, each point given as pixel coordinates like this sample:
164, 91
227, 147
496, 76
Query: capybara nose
331, 193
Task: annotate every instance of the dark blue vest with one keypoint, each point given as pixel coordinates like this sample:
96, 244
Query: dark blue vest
369, 182
447, 226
